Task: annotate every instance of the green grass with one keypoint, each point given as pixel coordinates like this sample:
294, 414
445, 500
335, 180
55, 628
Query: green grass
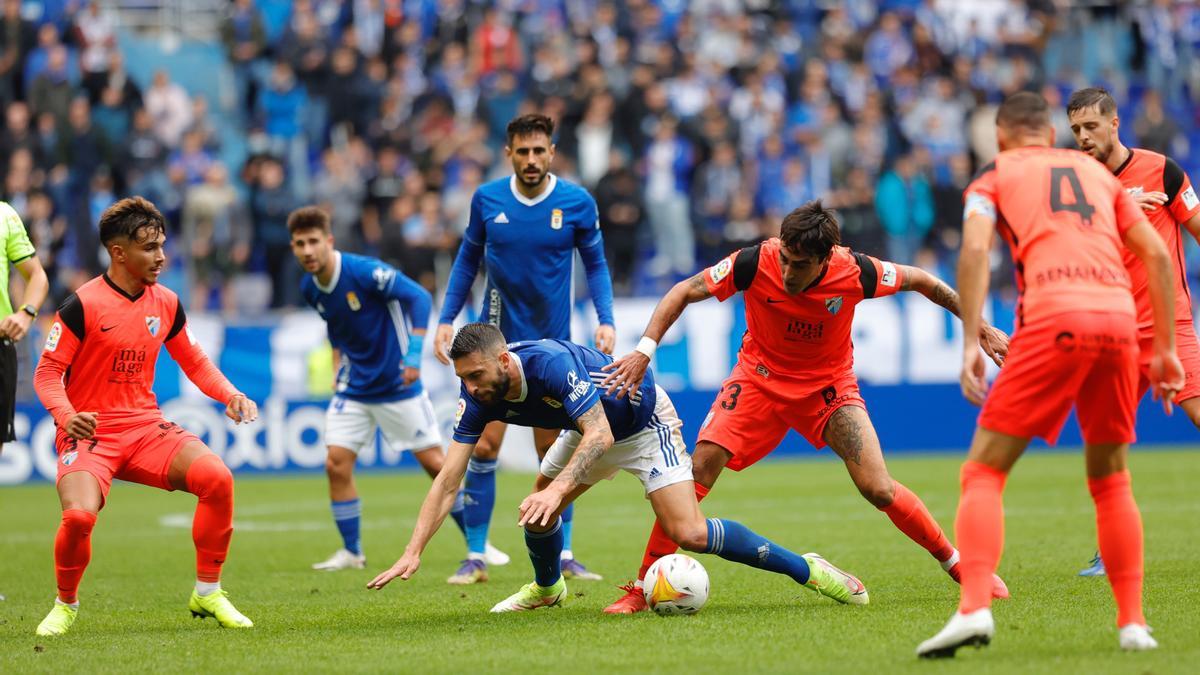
135, 593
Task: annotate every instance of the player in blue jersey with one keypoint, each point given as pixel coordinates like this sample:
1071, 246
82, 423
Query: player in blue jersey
376, 320
525, 230
551, 384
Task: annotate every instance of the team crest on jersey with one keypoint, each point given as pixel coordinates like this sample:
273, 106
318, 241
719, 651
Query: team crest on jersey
54, 336
352, 300
834, 304
556, 219
462, 408
153, 323
69, 458
720, 270
551, 402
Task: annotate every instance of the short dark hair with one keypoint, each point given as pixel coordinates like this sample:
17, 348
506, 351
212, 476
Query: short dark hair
476, 338
1097, 97
811, 229
1024, 110
129, 217
308, 218
533, 123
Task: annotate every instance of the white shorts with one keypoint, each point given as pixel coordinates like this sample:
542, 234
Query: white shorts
407, 425
657, 454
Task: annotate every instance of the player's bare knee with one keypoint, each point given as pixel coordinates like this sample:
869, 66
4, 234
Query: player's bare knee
879, 491
486, 452
690, 536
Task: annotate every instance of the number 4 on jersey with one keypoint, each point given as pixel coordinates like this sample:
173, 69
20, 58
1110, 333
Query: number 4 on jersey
1080, 204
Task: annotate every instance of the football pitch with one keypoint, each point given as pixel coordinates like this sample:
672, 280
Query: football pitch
134, 614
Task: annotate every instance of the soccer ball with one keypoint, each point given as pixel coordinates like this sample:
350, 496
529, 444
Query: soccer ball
676, 584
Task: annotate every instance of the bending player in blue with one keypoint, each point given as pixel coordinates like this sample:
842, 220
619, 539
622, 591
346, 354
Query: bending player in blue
376, 320
552, 384
525, 230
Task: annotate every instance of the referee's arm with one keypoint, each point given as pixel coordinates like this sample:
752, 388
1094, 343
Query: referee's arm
16, 325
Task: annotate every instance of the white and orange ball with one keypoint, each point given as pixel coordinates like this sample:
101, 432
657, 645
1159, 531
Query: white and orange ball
676, 584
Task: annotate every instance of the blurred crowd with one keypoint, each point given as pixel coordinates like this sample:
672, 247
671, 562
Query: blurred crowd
696, 125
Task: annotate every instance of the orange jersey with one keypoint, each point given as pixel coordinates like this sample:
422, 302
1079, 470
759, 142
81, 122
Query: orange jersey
1145, 171
101, 350
1062, 214
800, 341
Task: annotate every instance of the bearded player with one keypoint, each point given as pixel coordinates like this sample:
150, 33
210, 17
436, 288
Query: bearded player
95, 378
796, 370
1165, 193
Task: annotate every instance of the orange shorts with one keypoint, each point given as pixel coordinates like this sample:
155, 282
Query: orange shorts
750, 422
139, 454
1083, 359
1187, 347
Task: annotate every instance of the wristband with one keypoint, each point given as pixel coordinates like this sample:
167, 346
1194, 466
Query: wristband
412, 358
646, 346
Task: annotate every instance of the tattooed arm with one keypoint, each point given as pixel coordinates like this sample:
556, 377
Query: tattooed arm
539, 508
993, 340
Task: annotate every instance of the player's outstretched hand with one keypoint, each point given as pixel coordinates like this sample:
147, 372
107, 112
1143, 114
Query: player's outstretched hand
441, 342
539, 507
974, 386
1166, 372
410, 375
625, 374
606, 338
241, 409
995, 344
404, 568
82, 425
1150, 200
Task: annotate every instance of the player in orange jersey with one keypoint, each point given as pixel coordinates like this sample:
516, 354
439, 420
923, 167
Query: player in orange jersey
1065, 217
795, 369
95, 378
1165, 193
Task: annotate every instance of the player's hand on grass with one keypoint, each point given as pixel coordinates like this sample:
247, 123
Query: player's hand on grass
1150, 200
441, 342
974, 386
16, 325
995, 344
241, 409
1166, 372
606, 338
405, 567
82, 425
625, 374
539, 507
410, 375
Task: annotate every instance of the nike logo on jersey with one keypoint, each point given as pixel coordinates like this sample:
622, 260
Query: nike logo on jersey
511, 413
501, 218
105, 329
773, 301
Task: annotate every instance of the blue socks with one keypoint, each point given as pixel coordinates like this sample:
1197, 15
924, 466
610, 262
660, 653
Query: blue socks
456, 512
733, 541
568, 516
479, 497
545, 549
348, 515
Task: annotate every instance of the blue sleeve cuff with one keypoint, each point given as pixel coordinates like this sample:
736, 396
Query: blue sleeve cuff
416, 345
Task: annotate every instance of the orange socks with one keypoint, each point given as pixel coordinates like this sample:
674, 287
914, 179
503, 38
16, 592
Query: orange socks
660, 544
209, 479
908, 513
979, 529
1119, 529
72, 551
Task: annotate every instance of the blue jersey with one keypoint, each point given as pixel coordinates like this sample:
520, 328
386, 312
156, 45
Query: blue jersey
527, 247
559, 382
370, 309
